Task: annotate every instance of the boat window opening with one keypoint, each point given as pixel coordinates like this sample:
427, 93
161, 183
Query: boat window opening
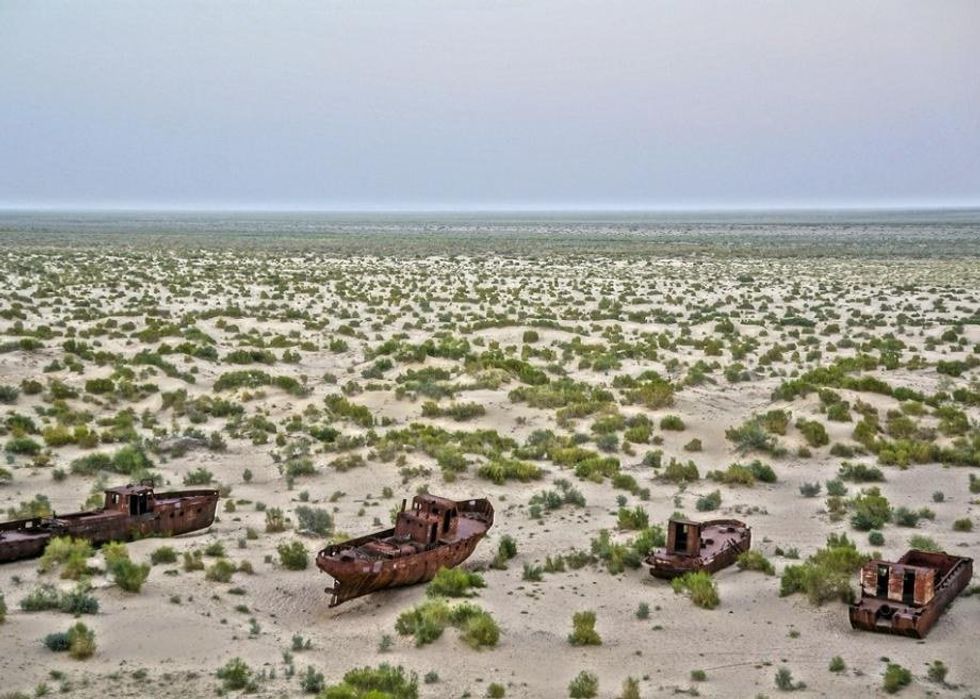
908, 587
445, 522
680, 538
881, 588
133, 505
433, 532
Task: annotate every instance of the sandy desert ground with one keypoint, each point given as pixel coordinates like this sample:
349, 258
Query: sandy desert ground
304, 375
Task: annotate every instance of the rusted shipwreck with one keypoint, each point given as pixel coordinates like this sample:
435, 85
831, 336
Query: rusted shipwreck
434, 533
692, 546
129, 512
906, 597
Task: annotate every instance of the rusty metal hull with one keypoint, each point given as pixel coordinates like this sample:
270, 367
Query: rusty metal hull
723, 541
174, 513
356, 573
871, 613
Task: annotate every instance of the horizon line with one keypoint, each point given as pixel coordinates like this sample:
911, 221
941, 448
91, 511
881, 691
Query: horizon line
751, 208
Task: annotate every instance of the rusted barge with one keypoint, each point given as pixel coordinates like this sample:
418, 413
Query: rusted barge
434, 533
692, 546
906, 597
129, 512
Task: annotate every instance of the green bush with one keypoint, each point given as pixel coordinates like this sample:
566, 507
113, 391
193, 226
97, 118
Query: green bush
814, 432
709, 502
870, 510
129, 576
71, 554
634, 519
293, 555
383, 682
584, 686
3, 608
235, 675
454, 582
163, 554
700, 587
220, 571
500, 470
964, 524
672, 423
314, 520
896, 677
827, 574
755, 560
583, 630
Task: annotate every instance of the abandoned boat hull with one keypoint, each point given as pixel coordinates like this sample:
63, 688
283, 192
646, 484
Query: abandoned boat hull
719, 544
884, 615
357, 573
171, 514
354, 579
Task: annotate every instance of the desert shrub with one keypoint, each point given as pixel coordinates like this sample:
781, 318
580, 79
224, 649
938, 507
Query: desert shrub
810, 490
57, 642
427, 621
314, 520
71, 554
785, 682
293, 556
235, 675
700, 587
827, 573
81, 641
633, 519
584, 686
127, 575
751, 435
964, 524
275, 521
680, 472
24, 446
896, 677
3, 608
454, 582
506, 550
8, 394
870, 510
876, 538
814, 432
937, 672
776, 421
836, 488
755, 560
219, 571
199, 476
709, 502
583, 630
500, 470
837, 664
672, 423
163, 554
383, 682
859, 473
192, 561
479, 630
904, 517
924, 543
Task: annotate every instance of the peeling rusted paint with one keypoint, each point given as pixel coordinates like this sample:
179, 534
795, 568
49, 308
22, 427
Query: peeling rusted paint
691, 546
129, 512
435, 533
906, 597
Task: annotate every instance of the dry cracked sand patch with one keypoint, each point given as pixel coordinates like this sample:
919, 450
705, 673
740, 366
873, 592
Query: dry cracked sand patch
314, 371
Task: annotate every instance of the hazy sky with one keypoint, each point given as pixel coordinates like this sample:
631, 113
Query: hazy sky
374, 104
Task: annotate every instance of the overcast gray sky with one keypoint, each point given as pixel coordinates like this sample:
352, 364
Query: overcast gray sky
430, 104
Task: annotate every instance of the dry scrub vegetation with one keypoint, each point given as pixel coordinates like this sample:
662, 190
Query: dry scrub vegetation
829, 396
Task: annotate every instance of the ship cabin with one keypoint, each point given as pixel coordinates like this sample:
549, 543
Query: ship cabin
683, 537
910, 581
430, 519
133, 500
